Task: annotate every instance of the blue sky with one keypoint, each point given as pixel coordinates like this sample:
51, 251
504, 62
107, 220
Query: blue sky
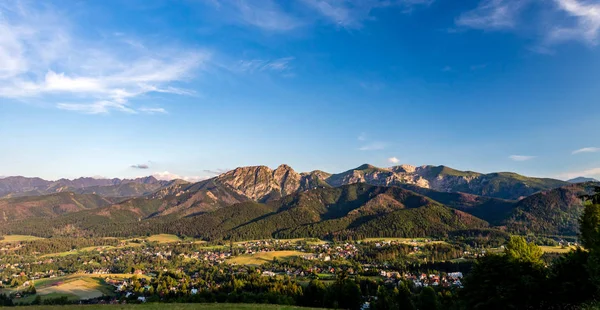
192, 88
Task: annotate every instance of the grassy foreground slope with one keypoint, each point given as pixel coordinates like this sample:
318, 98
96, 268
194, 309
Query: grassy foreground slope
162, 306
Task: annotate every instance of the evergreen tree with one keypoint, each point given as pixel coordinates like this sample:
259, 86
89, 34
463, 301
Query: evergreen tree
404, 297
428, 299
590, 235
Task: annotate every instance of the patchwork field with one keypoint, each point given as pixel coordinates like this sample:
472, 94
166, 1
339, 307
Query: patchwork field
419, 241
556, 249
17, 238
261, 258
295, 240
164, 238
74, 287
82, 289
168, 307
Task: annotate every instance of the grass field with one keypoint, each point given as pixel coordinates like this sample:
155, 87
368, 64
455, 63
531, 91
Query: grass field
555, 249
167, 306
295, 240
261, 258
403, 240
17, 238
75, 287
164, 238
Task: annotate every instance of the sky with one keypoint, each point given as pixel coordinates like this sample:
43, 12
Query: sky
192, 88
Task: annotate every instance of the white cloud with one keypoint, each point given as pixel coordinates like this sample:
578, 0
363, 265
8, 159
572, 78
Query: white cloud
521, 157
267, 15
259, 65
351, 14
492, 15
152, 110
98, 107
41, 59
168, 176
551, 23
586, 150
393, 160
586, 26
593, 172
373, 146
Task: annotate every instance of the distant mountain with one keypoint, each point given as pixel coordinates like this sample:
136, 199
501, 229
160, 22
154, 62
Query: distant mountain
282, 202
260, 183
19, 208
22, 186
552, 212
582, 180
357, 210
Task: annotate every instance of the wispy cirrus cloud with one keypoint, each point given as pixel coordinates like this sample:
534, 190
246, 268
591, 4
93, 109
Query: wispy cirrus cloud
267, 15
586, 150
140, 166
261, 65
351, 14
373, 146
41, 59
569, 20
521, 157
584, 22
493, 14
152, 110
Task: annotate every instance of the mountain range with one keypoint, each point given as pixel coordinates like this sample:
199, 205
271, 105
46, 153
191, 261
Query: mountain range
582, 180
258, 201
18, 186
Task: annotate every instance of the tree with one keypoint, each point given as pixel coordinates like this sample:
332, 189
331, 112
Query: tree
569, 281
404, 297
501, 282
31, 289
344, 293
428, 299
520, 250
37, 300
590, 222
314, 294
590, 235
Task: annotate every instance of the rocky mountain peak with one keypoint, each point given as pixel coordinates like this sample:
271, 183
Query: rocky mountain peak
366, 167
404, 169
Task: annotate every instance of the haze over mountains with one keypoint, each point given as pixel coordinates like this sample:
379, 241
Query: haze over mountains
257, 201
21, 186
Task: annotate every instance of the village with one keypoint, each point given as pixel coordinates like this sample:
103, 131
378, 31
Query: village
128, 268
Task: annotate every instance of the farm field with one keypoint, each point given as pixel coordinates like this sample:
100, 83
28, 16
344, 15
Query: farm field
555, 249
168, 307
294, 240
74, 287
18, 238
164, 238
264, 257
404, 240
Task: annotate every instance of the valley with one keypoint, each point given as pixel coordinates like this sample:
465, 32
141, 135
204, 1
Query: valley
275, 231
